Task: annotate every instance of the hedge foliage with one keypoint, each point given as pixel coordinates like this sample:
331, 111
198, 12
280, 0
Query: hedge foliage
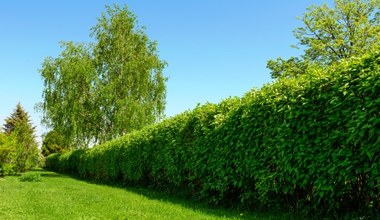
310, 144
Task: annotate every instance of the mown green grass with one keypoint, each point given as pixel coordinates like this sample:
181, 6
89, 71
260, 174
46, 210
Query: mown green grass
60, 197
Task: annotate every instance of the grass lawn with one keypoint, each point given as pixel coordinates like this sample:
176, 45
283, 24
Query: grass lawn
61, 197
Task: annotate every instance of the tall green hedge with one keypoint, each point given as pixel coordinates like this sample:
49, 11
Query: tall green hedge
309, 144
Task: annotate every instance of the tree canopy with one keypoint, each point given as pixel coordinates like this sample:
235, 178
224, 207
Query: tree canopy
329, 35
98, 91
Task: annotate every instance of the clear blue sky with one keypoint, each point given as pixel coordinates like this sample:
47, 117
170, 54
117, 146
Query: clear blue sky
214, 48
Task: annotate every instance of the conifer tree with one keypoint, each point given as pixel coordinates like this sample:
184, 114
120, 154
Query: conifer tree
17, 116
26, 151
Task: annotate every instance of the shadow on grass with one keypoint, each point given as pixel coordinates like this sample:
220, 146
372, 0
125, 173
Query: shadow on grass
52, 175
184, 201
47, 173
190, 203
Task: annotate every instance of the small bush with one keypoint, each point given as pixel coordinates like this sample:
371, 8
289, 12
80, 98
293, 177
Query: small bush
6, 169
30, 177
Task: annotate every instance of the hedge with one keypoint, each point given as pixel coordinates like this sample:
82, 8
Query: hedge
308, 144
